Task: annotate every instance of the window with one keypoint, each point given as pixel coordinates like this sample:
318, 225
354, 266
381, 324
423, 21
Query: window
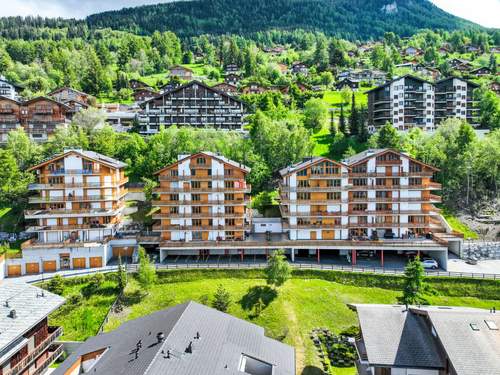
395, 181
304, 183
303, 196
359, 207
229, 197
56, 180
174, 210
229, 184
333, 195
193, 172
303, 172
331, 168
359, 181
415, 181
360, 194
228, 172
359, 168
196, 209
195, 197
195, 184
201, 161
174, 197
174, 172
229, 222
229, 209
253, 366
196, 222
317, 169
331, 183
197, 236
380, 182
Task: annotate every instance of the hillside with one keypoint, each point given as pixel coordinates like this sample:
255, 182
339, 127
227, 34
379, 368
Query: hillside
350, 19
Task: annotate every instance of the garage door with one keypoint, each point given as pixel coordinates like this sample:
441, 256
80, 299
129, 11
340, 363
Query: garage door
49, 266
32, 268
123, 251
13, 271
95, 262
78, 262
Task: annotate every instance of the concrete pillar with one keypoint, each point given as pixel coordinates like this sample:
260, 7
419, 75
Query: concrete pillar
292, 253
353, 257
318, 255
242, 254
382, 258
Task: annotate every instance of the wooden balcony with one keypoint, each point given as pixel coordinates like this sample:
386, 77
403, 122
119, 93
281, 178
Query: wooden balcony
54, 333
76, 198
161, 190
235, 215
241, 227
199, 178
89, 185
209, 202
314, 226
38, 214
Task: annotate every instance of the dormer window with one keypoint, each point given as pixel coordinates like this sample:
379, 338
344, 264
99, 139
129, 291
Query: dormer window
254, 366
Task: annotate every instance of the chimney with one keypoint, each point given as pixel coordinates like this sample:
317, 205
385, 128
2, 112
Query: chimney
160, 337
13, 314
189, 348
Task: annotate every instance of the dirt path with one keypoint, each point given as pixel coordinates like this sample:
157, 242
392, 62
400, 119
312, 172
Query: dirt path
299, 340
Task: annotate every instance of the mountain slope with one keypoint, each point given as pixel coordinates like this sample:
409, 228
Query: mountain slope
352, 19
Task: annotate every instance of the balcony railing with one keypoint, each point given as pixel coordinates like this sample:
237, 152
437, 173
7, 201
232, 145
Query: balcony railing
78, 185
19, 367
207, 190
69, 227
75, 198
196, 177
241, 227
160, 216
201, 202
54, 352
91, 211
63, 171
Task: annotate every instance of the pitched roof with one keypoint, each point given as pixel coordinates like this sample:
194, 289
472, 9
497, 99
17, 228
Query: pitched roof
181, 67
66, 88
307, 162
38, 98
371, 152
178, 88
459, 78
218, 341
469, 351
397, 79
395, 337
31, 305
114, 163
219, 157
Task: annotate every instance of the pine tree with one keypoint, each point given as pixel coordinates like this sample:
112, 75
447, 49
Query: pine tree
222, 299
278, 270
146, 274
342, 122
493, 64
121, 274
414, 284
354, 117
363, 133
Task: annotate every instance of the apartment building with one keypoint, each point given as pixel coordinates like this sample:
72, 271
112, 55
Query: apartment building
203, 197
8, 89
390, 195
76, 210
75, 99
314, 200
455, 98
427, 340
27, 342
405, 102
194, 104
39, 117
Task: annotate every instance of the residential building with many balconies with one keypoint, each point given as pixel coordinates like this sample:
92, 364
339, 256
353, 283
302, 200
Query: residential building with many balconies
27, 343
193, 104
314, 200
405, 102
390, 195
77, 209
202, 197
39, 117
455, 98
9, 89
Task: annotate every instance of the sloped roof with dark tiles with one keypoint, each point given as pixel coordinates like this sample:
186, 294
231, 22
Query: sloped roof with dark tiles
217, 341
395, 337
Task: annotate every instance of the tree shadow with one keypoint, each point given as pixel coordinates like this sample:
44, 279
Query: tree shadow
312, 370
263, 295
131, 298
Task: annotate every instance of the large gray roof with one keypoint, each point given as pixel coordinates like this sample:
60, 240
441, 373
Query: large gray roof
360, 156
31, 305
222, 341
469, 351
397, 338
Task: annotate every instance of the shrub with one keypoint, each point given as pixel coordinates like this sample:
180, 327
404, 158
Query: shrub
222, 299
56, 285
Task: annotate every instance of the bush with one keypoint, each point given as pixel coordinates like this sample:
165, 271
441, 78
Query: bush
56, 285
74, 299
96, 281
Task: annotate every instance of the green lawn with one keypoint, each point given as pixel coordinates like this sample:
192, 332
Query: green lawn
322, 140
458, 226
301, 305
334, 98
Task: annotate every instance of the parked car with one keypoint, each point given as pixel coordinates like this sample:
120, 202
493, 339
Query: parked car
365, 253
430, 263
471, 261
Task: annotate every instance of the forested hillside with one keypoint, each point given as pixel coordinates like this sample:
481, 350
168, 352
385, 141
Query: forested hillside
350, 19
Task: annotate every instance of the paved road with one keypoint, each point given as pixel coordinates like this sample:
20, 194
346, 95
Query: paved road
491, 266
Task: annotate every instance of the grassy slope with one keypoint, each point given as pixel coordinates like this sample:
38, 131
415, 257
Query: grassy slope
302, 304
457, 225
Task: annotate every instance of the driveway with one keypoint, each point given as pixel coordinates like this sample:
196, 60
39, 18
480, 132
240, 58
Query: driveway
490, 266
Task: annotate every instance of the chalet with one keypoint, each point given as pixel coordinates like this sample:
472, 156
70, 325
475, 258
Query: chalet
8, 89
460, 65
39, 117
278, 50
193, 104
431, 340
226, 88
299, 68
347, 82
412, 51
253, 88
427, 71
231, 69
144, 94
495, 87
472, 49
136, 84
181, 72
232, 79
300, 86
185, 339
444, 49
74, 99
282, 68
171, 85
27, 342
480, 72
363, 75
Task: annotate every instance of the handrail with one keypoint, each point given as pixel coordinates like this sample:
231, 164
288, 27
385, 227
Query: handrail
36, 352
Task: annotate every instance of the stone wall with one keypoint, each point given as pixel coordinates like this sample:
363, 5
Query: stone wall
481, 250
